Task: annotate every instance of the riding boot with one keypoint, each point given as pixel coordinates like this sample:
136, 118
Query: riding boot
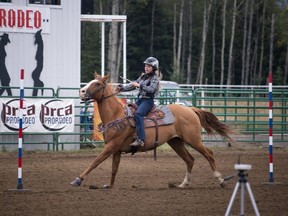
138, 142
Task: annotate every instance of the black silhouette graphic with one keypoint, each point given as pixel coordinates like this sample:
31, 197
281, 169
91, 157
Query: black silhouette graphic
39, 67
4, 75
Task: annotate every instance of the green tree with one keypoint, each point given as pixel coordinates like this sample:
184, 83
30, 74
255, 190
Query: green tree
150, 32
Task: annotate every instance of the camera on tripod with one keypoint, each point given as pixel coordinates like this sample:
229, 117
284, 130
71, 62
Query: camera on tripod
242, 184
242, 167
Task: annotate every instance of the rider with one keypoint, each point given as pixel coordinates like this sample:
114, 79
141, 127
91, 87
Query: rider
148, 84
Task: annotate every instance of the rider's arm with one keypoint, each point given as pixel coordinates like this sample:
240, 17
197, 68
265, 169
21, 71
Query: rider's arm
127, 87
154, 83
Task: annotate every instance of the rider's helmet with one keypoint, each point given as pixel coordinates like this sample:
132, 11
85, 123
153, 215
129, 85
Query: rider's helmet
152, 61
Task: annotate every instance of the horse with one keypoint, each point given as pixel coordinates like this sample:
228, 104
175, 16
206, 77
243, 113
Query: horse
185, 130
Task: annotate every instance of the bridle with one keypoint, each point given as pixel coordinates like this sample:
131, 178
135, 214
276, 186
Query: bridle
102, 96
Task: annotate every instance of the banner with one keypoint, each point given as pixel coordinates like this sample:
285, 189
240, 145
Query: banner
39, 115
97, 135
24, 19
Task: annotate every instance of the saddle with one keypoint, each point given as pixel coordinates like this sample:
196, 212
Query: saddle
158, 116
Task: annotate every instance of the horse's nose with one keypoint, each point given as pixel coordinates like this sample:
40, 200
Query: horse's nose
82, 92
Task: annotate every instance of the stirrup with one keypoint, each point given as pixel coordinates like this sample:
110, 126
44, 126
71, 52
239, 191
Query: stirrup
138, 142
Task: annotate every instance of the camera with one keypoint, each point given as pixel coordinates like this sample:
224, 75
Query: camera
242, 167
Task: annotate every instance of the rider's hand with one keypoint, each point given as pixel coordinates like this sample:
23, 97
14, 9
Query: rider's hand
135, 84
118, 88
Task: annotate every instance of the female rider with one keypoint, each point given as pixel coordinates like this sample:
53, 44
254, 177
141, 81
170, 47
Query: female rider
148, 84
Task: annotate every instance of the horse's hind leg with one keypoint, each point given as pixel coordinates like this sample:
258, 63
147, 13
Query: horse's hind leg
179, 147
208, 154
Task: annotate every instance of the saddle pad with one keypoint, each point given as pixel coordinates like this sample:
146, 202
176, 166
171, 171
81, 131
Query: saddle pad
168, 118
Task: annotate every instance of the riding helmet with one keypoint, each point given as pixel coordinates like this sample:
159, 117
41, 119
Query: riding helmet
152, 61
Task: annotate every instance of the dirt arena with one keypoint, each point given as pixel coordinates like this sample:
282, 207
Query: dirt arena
142, 185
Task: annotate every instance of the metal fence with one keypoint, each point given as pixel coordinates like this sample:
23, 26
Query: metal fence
245, 109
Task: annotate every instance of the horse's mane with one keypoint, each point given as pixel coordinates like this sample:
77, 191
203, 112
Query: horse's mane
110, 85
107, 81
111, 89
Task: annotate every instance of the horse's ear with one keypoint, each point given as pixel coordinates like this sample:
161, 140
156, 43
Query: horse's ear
106, 78
96, 75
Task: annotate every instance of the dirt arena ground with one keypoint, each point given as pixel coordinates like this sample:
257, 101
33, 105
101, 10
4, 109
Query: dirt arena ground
142, 185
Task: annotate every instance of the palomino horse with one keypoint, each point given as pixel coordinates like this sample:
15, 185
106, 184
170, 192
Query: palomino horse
186, 129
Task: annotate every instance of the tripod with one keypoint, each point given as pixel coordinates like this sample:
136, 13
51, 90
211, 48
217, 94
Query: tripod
242, 181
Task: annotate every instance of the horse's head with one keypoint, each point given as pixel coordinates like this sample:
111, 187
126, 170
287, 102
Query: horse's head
95, 89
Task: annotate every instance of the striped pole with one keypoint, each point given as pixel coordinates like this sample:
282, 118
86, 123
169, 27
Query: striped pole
271, 179
20, 131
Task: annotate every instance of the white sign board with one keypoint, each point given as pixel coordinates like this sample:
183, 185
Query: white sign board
39, 115
24, 19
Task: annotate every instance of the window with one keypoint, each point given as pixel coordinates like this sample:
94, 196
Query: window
7, 1
45, 2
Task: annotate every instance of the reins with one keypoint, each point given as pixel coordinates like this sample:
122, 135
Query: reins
103, 98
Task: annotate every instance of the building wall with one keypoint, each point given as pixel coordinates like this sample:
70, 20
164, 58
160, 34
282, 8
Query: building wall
61, 53
61, 56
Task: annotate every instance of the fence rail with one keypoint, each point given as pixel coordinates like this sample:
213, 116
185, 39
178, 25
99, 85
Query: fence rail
245, 109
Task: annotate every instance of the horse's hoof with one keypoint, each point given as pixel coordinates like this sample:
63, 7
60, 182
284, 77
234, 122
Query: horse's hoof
223, 184
106, 186
76, 182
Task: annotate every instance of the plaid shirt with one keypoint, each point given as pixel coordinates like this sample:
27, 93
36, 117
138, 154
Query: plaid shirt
149, 85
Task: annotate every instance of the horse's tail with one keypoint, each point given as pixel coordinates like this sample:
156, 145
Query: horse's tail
210, 122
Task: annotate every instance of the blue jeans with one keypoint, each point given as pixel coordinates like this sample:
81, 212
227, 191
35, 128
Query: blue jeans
144, 107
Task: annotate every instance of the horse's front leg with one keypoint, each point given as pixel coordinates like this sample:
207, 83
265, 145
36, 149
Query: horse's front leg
115, 166
108, 150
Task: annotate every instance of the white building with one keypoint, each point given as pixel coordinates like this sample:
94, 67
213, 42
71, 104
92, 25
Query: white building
60, 26
43, 38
